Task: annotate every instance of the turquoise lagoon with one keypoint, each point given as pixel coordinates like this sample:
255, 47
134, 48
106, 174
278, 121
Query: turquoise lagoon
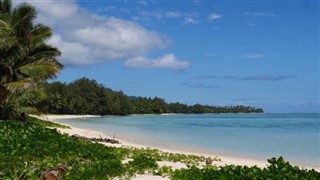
296, 137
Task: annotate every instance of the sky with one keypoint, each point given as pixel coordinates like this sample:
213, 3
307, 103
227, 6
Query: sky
259, 53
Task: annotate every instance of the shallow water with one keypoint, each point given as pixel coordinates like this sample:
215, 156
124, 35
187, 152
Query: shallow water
296, 137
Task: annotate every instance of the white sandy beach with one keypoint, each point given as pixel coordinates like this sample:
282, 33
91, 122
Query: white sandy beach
225, 160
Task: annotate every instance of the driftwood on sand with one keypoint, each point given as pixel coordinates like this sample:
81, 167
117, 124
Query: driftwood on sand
106, 140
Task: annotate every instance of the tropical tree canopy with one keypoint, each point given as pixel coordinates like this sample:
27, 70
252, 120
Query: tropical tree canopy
26, 60
87, 96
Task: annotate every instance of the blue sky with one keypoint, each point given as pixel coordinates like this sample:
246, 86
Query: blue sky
259, 53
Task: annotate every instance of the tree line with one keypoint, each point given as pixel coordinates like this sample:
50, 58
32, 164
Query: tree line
86, 96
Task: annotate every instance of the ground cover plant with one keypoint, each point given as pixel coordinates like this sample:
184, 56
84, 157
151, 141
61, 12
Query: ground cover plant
277, 169
33, 151
167, 156
29, 150
37, 121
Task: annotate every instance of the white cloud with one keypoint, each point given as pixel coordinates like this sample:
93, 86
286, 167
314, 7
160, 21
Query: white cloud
120, 35
153, 14
253, 56
167, 61
260, 14
189, 20
214, 16
197, 2
173, 14
73, 52
142, 2
86, 38
251, 24
247, 56
110, 8
54, 9
125, 10
248, 78
267, 78
210, 54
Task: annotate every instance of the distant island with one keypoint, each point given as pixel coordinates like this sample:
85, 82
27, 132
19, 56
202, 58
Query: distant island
86, 96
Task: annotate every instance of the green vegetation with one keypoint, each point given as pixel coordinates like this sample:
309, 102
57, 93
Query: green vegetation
32, 151
28, 151
166, 156
85, 96
278, 169
26, 60
33, 120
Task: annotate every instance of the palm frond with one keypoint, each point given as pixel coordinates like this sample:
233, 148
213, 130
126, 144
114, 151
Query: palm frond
40, 33
13, 55
6, 43
30, 96
22, 18
40, 71
5, 6
20, 86
25, 57
4, 21
5, 18
26, 109
7, 39
44, 51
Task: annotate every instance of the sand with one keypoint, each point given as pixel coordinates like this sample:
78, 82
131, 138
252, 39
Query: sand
225, 159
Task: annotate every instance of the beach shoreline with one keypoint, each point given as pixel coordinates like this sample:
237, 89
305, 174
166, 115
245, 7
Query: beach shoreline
226, 159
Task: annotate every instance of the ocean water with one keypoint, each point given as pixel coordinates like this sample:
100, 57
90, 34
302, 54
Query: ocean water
296, 137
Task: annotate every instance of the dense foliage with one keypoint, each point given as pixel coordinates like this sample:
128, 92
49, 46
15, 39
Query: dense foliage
85, 96
32, 151
277, 169
26, 60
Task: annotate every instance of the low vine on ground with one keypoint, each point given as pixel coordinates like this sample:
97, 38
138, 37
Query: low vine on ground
33, 151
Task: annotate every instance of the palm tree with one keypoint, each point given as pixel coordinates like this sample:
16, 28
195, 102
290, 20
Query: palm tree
26, 60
